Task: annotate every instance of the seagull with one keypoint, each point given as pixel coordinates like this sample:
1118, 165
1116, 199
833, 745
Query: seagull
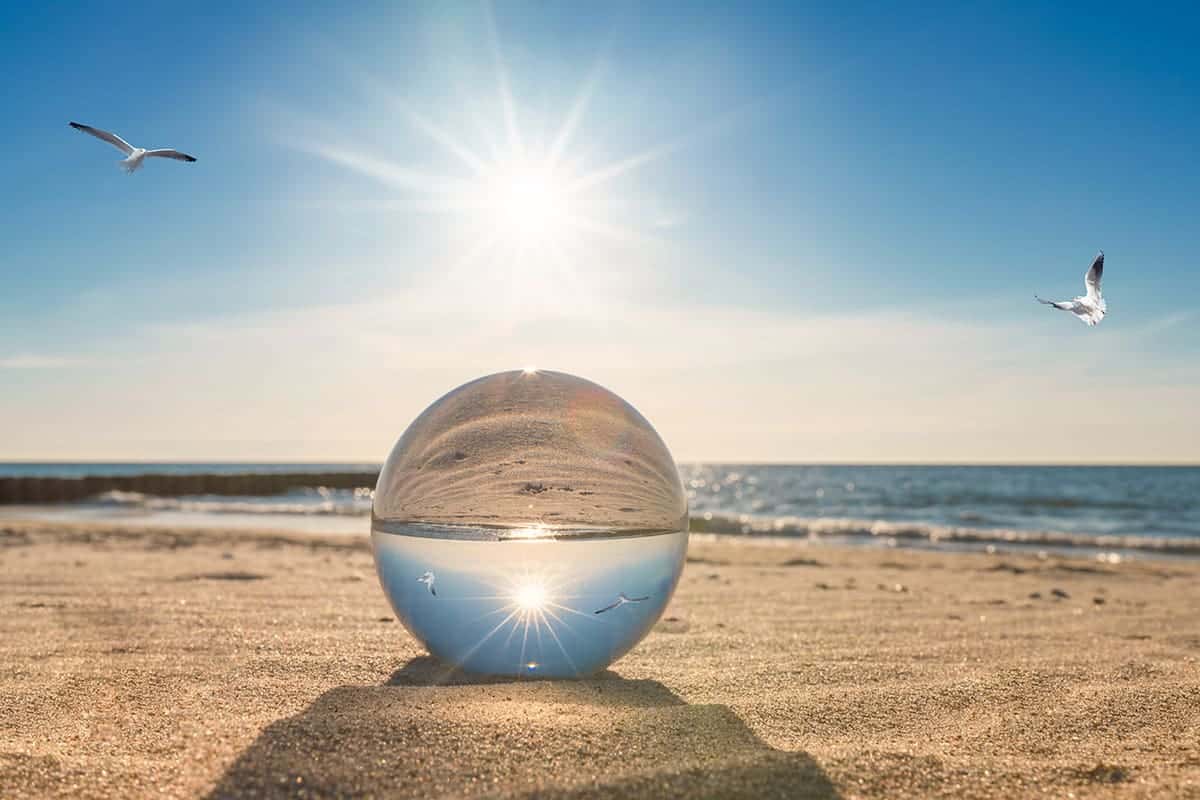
1090, 307
133, 155
428, 578
621, 600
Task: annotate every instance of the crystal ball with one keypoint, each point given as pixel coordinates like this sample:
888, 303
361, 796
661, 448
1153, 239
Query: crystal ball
529, 523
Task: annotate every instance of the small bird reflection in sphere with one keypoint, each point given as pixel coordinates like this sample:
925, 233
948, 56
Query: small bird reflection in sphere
621, 600
428, 578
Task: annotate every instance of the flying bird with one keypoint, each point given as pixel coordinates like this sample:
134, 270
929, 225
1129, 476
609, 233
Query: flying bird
428, 578
621, 600
133, 155
1090, 307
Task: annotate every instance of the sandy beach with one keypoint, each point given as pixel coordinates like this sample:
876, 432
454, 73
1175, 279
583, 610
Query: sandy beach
175, 663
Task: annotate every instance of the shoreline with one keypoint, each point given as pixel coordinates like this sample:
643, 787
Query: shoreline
223, 663
1121, 510
817, 531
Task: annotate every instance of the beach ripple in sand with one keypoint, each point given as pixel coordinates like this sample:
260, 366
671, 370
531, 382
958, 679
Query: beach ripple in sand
120, 681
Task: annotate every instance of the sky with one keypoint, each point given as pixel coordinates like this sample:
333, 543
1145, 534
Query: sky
783, 232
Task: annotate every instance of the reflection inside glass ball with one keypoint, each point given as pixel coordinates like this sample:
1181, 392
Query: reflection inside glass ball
529, 523
530, 597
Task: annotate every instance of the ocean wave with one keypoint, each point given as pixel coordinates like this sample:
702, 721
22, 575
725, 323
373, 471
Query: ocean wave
357, 503
932, 534
921, 500
317, 501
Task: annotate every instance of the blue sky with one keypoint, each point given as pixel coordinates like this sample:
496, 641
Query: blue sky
783, 232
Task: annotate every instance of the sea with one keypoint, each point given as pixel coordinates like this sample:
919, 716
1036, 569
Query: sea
1111, 511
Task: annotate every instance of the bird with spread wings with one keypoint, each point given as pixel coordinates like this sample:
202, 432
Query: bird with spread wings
1089, 307
134, 156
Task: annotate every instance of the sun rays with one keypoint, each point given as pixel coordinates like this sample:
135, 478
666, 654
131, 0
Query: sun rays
534, 223
532, 605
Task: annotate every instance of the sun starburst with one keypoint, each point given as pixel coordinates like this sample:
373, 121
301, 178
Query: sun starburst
531, 605
531, 213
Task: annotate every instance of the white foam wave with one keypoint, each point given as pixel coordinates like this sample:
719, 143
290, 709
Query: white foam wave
323, 501
923, 533
310, 502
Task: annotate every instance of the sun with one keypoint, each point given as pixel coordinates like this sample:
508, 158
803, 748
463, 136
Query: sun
526, 202
530, 597
532, 605
538, 215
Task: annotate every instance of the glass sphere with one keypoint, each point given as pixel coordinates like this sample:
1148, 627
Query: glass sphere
529, 523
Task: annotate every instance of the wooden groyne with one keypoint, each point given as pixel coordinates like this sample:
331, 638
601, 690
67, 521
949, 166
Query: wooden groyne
61, 490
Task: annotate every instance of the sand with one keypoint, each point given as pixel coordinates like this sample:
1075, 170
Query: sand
232, 664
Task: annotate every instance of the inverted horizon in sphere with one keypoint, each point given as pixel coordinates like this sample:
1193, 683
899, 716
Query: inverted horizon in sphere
528, 454
536, 499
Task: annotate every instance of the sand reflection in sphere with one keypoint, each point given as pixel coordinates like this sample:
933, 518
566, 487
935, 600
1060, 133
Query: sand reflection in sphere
529, 523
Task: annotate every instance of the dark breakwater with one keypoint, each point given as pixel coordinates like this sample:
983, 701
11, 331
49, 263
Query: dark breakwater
49, 489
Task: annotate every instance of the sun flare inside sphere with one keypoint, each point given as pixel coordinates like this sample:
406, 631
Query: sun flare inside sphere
530, 597
529, 523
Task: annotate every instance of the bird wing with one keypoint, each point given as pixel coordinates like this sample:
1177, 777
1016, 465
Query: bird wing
637, 599
175, 154
1094, 273
116, 141
1061, 305
608, 607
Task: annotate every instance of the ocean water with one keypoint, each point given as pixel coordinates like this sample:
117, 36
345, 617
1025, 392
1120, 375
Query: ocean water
1099, 500
1115, 508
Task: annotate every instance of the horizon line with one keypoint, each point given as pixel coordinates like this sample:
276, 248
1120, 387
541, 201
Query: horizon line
681, 463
